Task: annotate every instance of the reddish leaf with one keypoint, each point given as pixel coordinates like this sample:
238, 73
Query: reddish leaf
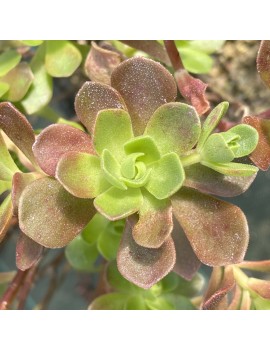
261, 287
261, 266
5, 216
236, 300
55, 141
263, 62
193, 90
142, 266
145, 85
100, 63
94, 97
18, 129
28, 252
216, 230
261, 155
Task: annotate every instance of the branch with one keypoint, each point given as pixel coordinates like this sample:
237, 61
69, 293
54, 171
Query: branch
173, 54
12, 290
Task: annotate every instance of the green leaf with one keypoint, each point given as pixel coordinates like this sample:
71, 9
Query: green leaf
94, 228
128, 166
206, 46
6, 214
169, 283
4, 186
112, 130
174, 127
81, 255
41, 90
112, 301
145, 145
3, 88
261, 304
8, 60
136, 302
5, 158
70, 123
159, 303
62, 58
211, 122
179, 302
32, 42
112, 170
167, 176
115, 203
108, 242
232, 168
217, 150
81, 175
196, 61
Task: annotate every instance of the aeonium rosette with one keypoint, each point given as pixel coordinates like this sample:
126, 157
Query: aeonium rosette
146, 158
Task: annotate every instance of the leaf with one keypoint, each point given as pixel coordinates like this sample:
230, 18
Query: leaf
159, 303
209, 181
94, 97
261, 155
232, 168
143, 144
261, 287
167, 176
5, 216
6, 277
174, 127
32, 42
18, 129
108, 242
81, 255
4, 186
100, 63
8, 60
217, 231
3, 88
51, 216
263, 62
145, 85
116, 204
70, 123
112, 170
28, 252
94, 228
207, 46
193, 90
112, 301
261, 266
5, 158
211, 122
81, 175
62, 58
112, 130
155, 222
41, 90
142, 266
261, 303
216, 150
57, 140
196, 61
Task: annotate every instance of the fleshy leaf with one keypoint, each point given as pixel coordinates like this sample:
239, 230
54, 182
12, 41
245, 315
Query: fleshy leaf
144, 144
155, 222
40, 92
94, 228
28, 252
261, 155
196, 61
142, 266
51, 216
5, 216
193, 90
62, 58
19, 182
209, 181
207, 46
81, 175
100, 63
112, 130
261, 266
263, 62
32, 42
217, 150
187, 264
4, 186
145, 85
261, 304
261, 287
18, 129
6, 160
216, 230
116, 204
8, 60
19, 80
167, 176
81, 255
56, 140
232, 168
118, 282
128, 166
108, 241
94, 97
112, 301
3, 88
236, 299
112, 170
211, 122
174, 127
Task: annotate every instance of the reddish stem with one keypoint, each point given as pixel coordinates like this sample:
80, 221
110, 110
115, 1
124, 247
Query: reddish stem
173, 54
264, 114
12, 290
23, 294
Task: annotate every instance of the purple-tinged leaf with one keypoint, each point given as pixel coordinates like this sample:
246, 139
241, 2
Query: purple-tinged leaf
55, 141
155, 222
150, 47
261, 287
50, 215
209, 181
193, 90
100, 63
236, 299
19, 182
263, 62
145, 85
28, 252
5, 216
187, 263
94, 97
216, 230
261, 155
142, 266
18, 129
261, 266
